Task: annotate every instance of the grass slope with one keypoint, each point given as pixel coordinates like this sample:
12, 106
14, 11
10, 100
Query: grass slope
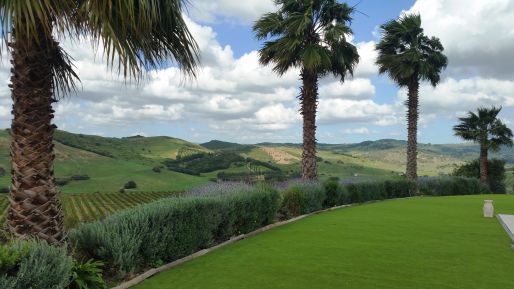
111, 162
422, 243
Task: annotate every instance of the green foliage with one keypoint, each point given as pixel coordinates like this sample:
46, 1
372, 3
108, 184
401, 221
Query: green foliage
10, 257
366, 191
35, 265
203, 162
302, 198
87, 275
495, 173
130, 185
452, 186
399, 188
485, 128
336, 194
172, 228
198, 163
370, 191
310, 35
407, 55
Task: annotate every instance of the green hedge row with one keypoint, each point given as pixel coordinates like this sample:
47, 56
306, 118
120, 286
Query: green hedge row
152, 234
172, 228
305, 197
451, 186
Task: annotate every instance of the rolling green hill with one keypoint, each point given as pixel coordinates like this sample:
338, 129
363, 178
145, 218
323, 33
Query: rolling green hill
111, 162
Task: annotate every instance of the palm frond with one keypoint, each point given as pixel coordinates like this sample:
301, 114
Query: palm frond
485, 128
407, 55
138, 34
310, 35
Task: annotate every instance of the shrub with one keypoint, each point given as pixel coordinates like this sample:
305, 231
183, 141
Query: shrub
336, 194
87, 275
4, 190
172, 228
366, 191
156, 169
62, 181
79, 177
496, 173
451, 186
399, 188
302, 197
130, 185
34, 265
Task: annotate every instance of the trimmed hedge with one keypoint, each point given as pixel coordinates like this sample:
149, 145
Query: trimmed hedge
302, 197
451, 186
495, 173
172, 228
336, 194
35, 265
152, 234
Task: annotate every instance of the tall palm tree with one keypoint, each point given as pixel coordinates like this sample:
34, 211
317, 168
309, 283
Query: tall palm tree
487, 130
408, 57
137, 35
310, 35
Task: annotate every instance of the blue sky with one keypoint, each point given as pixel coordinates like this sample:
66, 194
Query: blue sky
236, 99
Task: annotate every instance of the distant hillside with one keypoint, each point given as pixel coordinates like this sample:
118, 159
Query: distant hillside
463, 151
139, 148
169, 164
111, 162
227, 146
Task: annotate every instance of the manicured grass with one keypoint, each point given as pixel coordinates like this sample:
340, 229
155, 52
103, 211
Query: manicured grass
425, 242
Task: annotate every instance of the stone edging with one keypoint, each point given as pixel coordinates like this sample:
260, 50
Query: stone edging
140, 278
507, 229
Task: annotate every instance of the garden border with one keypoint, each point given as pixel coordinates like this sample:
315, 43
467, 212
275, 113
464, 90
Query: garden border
141, 277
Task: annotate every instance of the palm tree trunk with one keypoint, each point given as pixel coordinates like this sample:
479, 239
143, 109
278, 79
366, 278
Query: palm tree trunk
34, 209
309, 103
412, 131
483, 164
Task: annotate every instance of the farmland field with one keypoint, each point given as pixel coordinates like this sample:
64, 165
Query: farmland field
90, 207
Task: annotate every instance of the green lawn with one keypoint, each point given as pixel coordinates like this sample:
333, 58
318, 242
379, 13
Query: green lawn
417, 243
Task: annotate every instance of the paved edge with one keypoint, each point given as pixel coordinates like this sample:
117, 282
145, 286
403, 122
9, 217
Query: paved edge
507, 229
140, 278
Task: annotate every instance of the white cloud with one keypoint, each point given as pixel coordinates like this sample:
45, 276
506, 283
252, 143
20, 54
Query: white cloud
454, 97
353, 111
478, 35
359, 130
358, 88
211, 11
368, 56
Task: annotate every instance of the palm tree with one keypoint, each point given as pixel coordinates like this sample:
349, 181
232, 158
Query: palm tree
408, 57
487, 130
137, 35
310, 35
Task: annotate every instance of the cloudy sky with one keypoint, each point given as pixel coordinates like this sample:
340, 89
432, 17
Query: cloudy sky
236, 99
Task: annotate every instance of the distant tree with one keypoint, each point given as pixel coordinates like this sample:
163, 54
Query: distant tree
310, 35
408, 57
486, 129
135, 36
